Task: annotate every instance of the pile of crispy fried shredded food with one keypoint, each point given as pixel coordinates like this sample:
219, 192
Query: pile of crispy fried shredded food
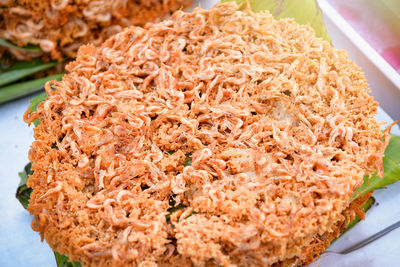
215, 138
60, 27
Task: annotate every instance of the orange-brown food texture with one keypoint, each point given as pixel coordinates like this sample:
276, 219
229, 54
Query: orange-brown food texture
278, 123
322, 242
60, 27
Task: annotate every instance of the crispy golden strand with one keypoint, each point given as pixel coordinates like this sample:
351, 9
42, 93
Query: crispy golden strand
279, 123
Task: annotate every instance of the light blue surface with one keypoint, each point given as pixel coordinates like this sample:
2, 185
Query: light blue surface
19, 244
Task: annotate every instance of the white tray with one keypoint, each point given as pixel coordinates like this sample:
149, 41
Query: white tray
382, 78
20, 246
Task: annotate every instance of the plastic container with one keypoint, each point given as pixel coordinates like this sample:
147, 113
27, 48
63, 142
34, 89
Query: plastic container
384, 81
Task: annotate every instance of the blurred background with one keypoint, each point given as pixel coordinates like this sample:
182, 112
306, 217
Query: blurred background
378, 22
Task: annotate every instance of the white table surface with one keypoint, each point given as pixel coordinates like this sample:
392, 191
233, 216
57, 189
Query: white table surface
20, 246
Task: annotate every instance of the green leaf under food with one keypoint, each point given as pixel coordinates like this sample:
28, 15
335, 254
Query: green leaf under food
188, 160
34, 104
176, 208
365, 207
172, 210
303, 11
391, 175
36, 101
23, 69
393, 149
62, 261
28, 48
16, 90
23, 193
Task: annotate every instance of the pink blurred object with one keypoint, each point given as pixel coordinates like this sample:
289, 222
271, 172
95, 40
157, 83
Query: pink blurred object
392, 56
378, 24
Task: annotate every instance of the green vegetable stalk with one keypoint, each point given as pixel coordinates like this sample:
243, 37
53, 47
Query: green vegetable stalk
28, 48
14, 91
11, 86
15, 76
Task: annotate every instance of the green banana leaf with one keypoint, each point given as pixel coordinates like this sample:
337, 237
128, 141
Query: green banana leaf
62, 261
34, 104
392, 151
391, 169
23, 193
367, 205
28, 48
303, 11
391, 175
